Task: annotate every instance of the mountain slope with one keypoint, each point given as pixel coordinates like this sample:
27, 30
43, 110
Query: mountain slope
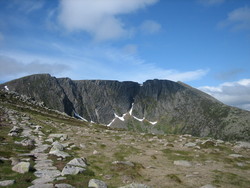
156, 106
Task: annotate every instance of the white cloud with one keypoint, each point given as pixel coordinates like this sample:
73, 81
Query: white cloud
98, 17
232, 93
211, 2
150, 27
238, 19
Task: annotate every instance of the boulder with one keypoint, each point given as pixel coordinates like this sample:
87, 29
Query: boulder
94, 183
6, 183
72, 170
59, 153
81, 162
21, 167
57, 146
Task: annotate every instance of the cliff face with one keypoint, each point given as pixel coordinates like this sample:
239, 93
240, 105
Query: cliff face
158, 106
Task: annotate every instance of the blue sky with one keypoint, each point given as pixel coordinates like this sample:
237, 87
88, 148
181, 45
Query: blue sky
204, 43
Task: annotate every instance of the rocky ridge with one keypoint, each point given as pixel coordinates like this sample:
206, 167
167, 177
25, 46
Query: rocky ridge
49, 149
156, 106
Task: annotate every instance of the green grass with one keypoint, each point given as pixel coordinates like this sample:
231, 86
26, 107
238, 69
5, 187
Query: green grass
229, 179
178, 154
125, 151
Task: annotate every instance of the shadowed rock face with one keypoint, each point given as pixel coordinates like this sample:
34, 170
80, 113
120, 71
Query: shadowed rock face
159, 106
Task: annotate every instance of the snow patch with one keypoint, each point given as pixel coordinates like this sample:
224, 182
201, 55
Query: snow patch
111, 122
152, 123
6, 88
121, 118
131, 110
139, 118
80, 117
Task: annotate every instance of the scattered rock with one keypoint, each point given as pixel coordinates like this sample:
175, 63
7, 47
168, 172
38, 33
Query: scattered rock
208, 186
108, 177
3, 159
182, 163
26, 142
49, 140
21, 167
83, 146
235, 155
245, 145
64, 136
15, 131
95, 152
135, 185
59, 153
6, 183
47, 173
208, 144
94, 183
190, 144
57, 146
14, 161
42, 186
43, 180
63, 185
128, 163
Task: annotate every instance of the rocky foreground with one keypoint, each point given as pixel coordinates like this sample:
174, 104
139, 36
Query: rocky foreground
44, 148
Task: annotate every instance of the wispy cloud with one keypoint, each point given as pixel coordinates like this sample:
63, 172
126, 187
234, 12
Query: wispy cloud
150, 27
238, 19
27, 6
229, 75
231, 93
99, 18
211, 2
12, 68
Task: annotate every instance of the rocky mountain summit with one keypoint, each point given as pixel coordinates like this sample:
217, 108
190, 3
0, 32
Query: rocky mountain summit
45, 148
156, 106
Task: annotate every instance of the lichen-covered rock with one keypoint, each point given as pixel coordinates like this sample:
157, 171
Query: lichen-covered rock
81, 162
21, 167
6, 183
94, 183
72, 170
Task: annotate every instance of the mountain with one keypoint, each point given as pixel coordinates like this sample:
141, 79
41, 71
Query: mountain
156, 106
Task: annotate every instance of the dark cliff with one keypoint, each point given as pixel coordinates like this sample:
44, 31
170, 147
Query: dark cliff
159, 106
